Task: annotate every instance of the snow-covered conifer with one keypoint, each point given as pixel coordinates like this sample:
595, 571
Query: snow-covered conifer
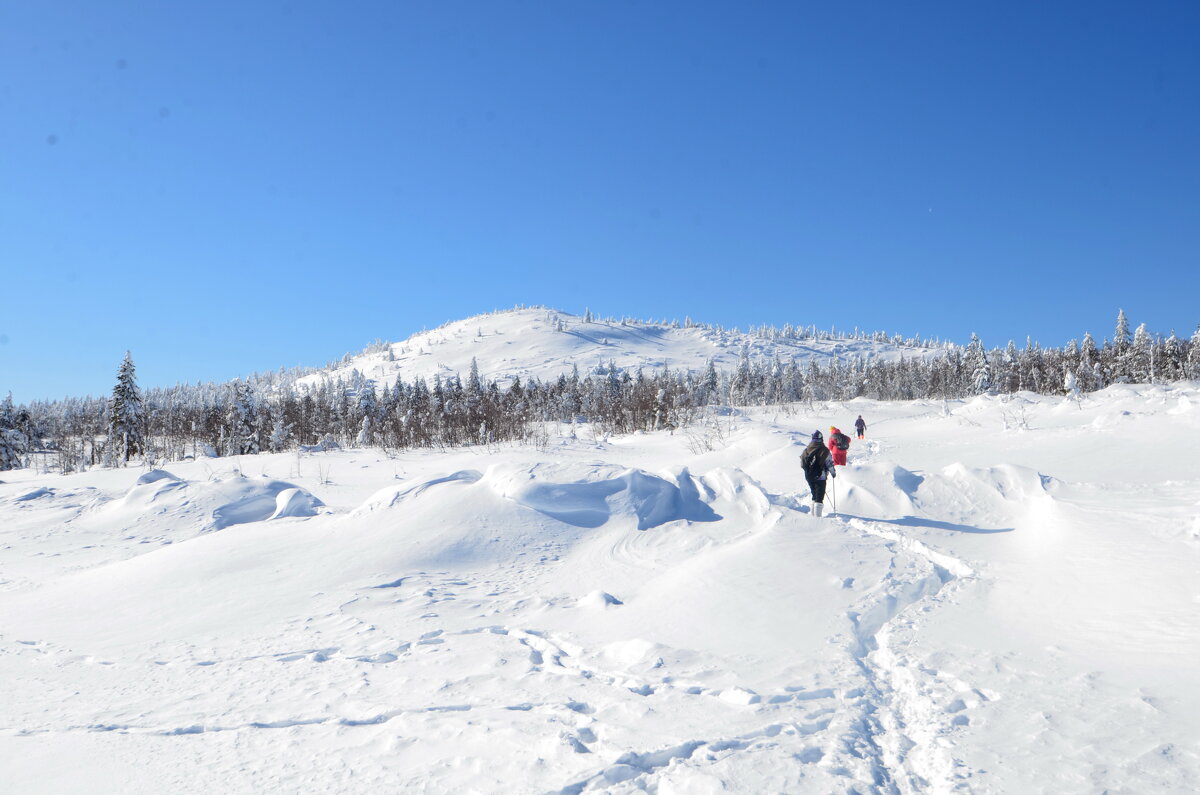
1140, 355
975, 365
1121, 338
1193, 358
743, 380
126, 415
13, 443
241, 433
281, 430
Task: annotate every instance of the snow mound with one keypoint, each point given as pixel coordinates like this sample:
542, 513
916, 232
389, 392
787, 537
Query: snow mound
740, 696
984, 499
295, 502
735, 486
36, 494
653, 500
257, 501
598, 600
392, 496
1008, 481
632, 653
155, 475
168, 507
147, 490
877, 489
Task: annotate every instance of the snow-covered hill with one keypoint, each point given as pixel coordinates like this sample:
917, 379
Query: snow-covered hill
545, 343
1007, 600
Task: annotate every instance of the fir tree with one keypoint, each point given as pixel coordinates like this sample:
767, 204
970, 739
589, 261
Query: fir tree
975, 364
1193, 359
241, 435
1121, 337
1087, 372
13, 443
742, 386
1140, 355
281, 430
126, 415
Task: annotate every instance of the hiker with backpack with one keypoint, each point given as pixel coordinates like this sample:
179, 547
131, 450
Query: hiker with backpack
839, 443
860, 426
817, 462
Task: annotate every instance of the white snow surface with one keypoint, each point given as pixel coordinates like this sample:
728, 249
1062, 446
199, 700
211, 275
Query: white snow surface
525, 343
988, 610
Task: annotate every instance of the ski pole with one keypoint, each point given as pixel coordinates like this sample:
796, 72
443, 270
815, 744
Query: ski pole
833, 494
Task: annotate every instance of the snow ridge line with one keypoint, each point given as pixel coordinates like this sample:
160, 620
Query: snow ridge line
904, 723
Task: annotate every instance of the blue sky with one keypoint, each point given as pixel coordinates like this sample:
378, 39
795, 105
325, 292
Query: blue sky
229, 187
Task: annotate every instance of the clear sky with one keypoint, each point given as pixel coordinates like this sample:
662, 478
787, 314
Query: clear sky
225, 187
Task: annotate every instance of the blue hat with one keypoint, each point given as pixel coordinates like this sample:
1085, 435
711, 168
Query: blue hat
816, 437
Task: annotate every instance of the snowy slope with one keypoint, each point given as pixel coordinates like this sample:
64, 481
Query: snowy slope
528, 343
1007, 600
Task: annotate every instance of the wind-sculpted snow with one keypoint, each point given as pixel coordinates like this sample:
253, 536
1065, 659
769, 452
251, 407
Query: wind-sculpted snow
392, 496
994, 606
877, 489
214, 504
599, 495
652, 500
255, 501
294, 502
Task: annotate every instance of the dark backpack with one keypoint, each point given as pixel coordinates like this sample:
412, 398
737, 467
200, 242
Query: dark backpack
813, 463
842, 441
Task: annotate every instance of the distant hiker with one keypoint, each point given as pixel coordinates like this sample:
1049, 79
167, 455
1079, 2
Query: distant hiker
817, 463
839, 443
860, 426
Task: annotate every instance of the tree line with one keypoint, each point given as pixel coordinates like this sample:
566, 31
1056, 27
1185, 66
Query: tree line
274, 413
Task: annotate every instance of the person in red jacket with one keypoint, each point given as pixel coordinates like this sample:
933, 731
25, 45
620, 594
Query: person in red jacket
839, 443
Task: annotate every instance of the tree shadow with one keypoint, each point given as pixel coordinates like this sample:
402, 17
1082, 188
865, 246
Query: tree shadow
917, 521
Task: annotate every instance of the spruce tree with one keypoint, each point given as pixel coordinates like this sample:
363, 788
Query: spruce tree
281, 430
126, 415
240, 420
976, 367
12, 441
1121, 336
1140, 357
1087, 372
1193, 359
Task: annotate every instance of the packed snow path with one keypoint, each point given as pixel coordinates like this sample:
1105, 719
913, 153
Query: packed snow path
986, 612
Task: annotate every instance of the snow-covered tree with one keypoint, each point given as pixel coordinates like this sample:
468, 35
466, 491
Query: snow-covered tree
281, 430
241, 437
1071, 386
1010, 379
126, 415
975, 365
1170, 366
1140, 356
1121, 337
742, 386
1087, 371
1193, 359
13, 443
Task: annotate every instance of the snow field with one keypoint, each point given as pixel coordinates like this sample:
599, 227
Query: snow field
993, 608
